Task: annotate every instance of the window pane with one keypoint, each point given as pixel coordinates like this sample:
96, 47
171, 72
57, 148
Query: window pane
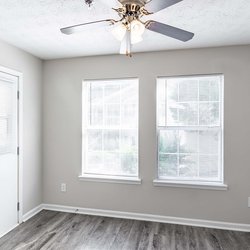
172, 115
129, 141
204, 118
214, 110
188, 165
188, 114
209, 142
96, 93
161, 102
129, 93
188, 90
214, 93
172, 90
111, 163
209, 90
129, 164
209, 114
167, 165
112, 93
168, 141
96, 115
94, 162
209, 166
161, 114
112, 115
188, 141
111, 140
95, 140
129, 115
204, 89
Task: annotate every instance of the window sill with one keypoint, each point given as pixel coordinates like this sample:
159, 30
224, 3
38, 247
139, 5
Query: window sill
189, 184
110, 179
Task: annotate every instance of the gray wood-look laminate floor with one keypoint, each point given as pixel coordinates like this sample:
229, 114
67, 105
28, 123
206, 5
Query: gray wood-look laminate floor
64, 231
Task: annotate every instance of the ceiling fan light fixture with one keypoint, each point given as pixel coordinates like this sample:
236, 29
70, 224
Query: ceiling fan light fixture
119, 31
137, 28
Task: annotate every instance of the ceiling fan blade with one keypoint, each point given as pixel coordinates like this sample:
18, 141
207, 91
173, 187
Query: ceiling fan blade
157, 5
85, 26
168, 30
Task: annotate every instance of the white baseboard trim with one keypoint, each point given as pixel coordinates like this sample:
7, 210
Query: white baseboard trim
33, 212
150, 217
2, 234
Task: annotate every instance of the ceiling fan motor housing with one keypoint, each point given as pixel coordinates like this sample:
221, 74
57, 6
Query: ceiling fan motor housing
131, 10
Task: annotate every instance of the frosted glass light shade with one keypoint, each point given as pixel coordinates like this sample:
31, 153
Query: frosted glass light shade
137, 28
119, 31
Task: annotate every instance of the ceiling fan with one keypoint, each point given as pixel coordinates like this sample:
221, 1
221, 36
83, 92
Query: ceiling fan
129, 28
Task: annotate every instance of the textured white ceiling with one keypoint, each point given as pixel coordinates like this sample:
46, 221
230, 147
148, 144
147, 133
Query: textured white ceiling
34, 25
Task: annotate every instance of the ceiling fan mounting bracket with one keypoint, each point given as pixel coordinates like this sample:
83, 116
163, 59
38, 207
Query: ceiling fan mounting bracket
133, 2
131, 11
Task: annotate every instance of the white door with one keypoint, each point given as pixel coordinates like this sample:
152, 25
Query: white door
8, 152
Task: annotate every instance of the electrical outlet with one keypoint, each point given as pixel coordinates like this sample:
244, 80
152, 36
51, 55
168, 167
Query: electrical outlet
248, 201
63, 187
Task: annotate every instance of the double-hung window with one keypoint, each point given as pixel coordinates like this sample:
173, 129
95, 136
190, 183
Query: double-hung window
110, 129
190, 129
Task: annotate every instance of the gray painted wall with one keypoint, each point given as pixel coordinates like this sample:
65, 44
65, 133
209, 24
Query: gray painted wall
62, 134
31, 67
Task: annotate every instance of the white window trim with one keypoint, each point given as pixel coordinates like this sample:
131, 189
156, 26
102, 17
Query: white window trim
218, 185
108, 178
190, 184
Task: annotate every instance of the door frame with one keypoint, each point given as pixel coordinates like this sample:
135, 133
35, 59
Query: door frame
19, 75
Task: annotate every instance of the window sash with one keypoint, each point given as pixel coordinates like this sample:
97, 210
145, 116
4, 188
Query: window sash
198, 154
162, 98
